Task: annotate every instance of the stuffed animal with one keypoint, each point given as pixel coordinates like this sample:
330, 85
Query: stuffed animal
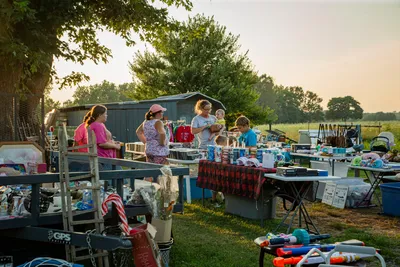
393, 156
371, 155
356, 161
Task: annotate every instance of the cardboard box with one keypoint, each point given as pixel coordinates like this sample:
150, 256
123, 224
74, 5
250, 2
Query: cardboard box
163, 228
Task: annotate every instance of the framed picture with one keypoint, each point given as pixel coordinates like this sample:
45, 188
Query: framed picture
21, 153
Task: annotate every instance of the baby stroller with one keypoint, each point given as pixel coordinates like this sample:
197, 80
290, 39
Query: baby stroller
382, 143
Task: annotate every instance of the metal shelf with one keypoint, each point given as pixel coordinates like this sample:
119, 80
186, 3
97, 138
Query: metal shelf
34, 227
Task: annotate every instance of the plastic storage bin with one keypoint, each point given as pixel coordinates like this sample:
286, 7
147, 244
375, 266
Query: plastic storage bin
195, 192
357, 191
391, 198
248, 208
341, 170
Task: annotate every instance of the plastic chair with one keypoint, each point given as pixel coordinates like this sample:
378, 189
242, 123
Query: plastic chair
342, 248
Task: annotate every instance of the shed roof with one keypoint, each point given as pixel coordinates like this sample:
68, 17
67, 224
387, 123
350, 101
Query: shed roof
158, 99
182, 97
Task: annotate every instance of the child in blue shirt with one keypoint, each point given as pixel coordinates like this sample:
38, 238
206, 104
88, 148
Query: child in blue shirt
248, 137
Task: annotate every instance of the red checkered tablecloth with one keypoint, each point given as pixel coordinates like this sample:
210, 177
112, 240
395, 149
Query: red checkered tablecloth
232, 179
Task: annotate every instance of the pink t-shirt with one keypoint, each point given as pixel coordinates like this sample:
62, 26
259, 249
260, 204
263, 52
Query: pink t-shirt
80, 137
99, 130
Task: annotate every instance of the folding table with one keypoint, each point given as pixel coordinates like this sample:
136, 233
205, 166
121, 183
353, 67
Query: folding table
375, 177
299, 186
330, 159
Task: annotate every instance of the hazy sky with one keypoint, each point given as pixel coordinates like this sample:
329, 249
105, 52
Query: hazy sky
333, 48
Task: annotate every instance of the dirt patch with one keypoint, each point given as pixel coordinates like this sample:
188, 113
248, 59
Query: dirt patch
332, 220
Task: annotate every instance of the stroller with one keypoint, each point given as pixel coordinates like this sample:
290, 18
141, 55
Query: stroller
382, 143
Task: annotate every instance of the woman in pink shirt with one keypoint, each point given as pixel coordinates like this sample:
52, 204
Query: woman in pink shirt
80, 134
105, 146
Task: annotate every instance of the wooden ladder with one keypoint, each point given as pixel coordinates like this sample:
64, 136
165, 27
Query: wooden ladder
67, 185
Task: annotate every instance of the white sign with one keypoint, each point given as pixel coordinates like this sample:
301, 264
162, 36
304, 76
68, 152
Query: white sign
329, 193
339, 201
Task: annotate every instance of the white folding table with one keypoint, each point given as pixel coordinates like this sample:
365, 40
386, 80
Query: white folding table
298, 189
330, 159
375, 177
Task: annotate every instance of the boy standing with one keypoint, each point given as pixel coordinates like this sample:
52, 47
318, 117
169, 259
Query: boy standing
248, 137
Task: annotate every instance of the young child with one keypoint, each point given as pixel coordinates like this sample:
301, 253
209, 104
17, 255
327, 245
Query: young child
248, 137
222, 140
220, 114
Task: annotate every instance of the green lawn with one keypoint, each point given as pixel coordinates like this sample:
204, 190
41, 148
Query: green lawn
206, 236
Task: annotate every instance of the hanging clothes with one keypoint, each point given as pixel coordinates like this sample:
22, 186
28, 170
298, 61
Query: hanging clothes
184, 134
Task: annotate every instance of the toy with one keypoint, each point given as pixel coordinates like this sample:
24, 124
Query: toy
356, 161
299, 236
297, 251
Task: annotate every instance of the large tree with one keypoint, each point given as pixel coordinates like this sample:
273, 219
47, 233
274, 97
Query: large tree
344, 108
311, 107
293, 105
201, 56
33, 32
105, 92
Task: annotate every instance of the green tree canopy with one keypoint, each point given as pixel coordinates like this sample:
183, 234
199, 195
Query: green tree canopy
311, 107
294, 105
33, 32
200, 56
105, 92
344, 108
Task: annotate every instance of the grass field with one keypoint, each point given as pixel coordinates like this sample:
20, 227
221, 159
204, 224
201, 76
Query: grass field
292, 130
206, 236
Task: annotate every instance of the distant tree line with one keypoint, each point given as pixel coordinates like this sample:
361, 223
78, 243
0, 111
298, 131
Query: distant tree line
381, 116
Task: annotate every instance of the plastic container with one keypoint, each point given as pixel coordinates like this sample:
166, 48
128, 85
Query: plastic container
250, 208
391, 198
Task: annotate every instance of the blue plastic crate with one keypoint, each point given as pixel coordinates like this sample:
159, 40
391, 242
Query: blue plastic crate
195, 192
391, 198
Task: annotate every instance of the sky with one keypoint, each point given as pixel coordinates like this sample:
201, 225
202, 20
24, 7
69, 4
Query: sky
331, 47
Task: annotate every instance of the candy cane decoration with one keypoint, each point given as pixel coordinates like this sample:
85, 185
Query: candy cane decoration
116, 199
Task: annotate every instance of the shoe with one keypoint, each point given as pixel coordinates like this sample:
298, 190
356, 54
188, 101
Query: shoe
217, 205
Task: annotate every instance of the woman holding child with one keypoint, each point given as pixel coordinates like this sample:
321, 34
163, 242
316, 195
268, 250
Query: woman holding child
201, 124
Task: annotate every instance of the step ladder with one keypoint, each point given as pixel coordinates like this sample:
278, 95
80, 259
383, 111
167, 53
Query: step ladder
69, 220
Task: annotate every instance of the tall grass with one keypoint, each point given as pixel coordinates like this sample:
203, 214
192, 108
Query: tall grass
292, 130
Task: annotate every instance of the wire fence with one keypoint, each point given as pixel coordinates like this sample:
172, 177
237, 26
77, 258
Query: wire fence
22, 118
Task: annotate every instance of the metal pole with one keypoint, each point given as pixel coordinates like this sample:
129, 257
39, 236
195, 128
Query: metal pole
42, 117
15, 135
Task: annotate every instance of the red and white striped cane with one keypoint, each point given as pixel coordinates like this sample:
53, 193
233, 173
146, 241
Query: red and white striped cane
116, 199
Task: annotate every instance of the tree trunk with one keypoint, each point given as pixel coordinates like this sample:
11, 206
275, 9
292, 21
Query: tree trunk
30, 110
10, 77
